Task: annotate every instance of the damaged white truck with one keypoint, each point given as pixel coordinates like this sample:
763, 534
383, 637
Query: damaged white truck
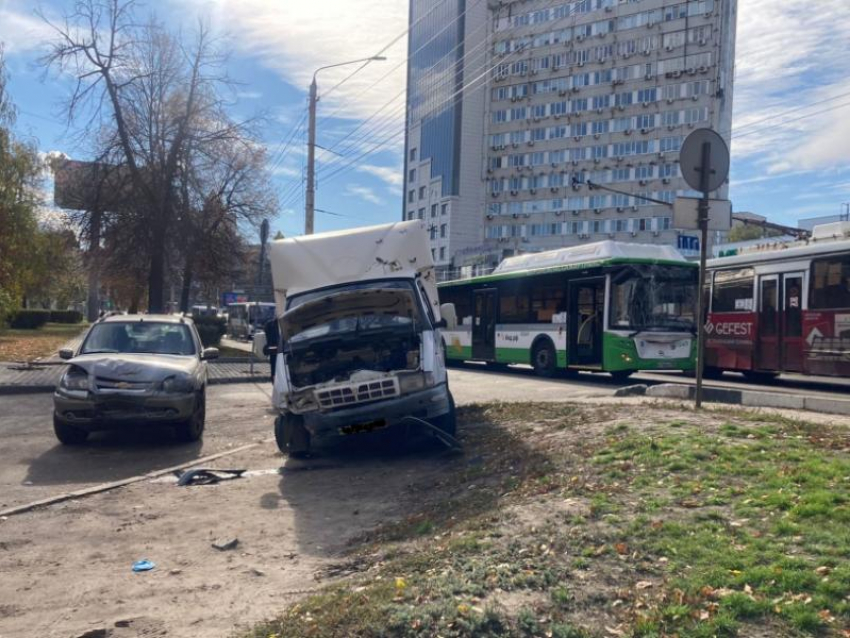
360, 345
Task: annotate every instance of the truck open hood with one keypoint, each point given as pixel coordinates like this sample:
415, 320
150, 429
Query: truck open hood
399, 250
388, 302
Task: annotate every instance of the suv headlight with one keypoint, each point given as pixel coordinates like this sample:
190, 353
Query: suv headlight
178, 384
75, 379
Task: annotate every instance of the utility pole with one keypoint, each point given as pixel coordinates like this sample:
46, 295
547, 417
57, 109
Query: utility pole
702, 219
310, 205
310, 196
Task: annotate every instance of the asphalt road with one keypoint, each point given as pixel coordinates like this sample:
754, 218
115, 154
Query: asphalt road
36, 466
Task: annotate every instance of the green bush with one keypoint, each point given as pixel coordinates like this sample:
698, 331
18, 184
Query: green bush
66, 316
210, 330
26, 319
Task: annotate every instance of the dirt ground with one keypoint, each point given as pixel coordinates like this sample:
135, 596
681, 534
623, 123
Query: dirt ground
65, 571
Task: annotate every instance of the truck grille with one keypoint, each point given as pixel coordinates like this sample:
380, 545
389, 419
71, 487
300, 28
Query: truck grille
352, 393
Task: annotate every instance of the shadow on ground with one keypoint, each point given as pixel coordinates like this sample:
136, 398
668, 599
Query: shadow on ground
111, 456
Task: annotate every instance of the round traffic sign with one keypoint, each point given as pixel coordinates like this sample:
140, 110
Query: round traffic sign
690, 159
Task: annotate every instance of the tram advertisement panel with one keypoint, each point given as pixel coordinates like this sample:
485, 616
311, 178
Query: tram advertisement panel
827, 342
730, 337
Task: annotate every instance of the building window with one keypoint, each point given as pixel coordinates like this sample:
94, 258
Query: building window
434, 253
444, 209
443, 229
411, 195
421, 213
412, 155
442, 253
411, 176
421, 192
433, 230
433, 210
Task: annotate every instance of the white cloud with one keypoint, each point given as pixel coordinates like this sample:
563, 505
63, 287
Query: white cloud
392, 176
20, 29
249, 95
790, 55
364, 193
304, 36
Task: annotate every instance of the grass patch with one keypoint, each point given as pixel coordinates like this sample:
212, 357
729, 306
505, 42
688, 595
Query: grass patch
27, 345
563, 521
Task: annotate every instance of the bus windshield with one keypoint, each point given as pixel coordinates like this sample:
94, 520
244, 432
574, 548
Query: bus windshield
654, 298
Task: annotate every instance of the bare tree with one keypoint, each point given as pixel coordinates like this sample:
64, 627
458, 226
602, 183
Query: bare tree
161, 99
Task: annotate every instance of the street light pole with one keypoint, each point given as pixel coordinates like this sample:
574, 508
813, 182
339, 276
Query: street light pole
310, 196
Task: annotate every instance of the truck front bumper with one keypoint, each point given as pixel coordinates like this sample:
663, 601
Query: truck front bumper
425, 404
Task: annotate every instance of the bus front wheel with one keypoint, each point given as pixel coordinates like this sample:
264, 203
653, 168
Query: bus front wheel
543, 358
621, 375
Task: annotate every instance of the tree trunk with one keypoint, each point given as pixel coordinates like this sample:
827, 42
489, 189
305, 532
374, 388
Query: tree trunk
156, 275
93, 303
186, 288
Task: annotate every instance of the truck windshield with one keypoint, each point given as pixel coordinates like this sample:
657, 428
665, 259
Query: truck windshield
352, 309
654, 298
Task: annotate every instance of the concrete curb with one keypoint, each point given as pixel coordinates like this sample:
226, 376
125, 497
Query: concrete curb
751, 398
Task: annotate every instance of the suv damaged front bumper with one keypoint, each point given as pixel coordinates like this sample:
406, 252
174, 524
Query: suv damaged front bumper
426, 404
91, 411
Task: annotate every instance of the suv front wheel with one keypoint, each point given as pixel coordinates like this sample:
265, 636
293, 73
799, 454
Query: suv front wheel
68, 434
192, 429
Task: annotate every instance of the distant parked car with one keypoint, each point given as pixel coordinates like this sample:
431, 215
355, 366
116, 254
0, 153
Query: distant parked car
132, 368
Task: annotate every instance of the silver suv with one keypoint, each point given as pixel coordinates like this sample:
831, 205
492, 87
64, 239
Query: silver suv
132, 368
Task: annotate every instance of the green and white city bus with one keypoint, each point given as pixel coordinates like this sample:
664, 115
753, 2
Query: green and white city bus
606, 307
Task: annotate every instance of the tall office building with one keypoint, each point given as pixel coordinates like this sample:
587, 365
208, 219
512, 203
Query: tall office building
599, 91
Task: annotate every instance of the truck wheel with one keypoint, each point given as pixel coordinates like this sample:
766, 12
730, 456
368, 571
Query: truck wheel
544, 359
291, 436
192, 429
448, 421
68, 434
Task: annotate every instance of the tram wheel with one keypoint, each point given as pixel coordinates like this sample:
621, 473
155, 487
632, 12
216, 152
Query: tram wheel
760, 377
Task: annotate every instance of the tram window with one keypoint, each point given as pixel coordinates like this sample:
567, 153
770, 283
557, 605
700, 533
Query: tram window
547, 297
514, 302
461, 297
830, 283
733, 291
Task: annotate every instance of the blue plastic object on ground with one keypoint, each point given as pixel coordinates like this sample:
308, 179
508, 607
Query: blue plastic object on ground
143, 565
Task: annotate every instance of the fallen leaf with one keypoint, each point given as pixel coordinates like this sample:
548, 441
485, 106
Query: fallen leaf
621, 548
643, 584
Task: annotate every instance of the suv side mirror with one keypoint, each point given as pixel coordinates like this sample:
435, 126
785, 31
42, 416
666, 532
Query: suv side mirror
449, 314
66, 353
209, 353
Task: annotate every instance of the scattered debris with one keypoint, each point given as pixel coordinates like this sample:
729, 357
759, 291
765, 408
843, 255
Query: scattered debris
100, 632
143, 565
224, 545
204, 476
256, 572
175, 572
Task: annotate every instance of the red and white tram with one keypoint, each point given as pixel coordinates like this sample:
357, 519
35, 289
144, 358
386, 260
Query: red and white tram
784, 308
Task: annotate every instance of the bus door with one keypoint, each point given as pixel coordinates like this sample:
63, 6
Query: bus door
768, 339
792, 322
584, 319
484, 324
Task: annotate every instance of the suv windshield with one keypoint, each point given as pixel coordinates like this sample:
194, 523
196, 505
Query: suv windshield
139, 337
654, 298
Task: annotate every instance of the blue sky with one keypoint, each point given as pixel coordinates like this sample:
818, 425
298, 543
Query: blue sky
786, 164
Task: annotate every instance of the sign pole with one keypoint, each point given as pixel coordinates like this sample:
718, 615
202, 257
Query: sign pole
705, 174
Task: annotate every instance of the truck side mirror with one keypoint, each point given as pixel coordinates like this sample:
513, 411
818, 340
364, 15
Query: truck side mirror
449, 314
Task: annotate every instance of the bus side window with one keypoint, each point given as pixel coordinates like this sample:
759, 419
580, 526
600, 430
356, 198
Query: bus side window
733, 291
830, 285
514, 303
461, 297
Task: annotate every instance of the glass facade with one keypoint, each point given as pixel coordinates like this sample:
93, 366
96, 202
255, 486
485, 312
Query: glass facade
435, 77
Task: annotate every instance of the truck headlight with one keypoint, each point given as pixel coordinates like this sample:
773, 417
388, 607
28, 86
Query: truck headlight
75, 379
178, 384
414, 382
